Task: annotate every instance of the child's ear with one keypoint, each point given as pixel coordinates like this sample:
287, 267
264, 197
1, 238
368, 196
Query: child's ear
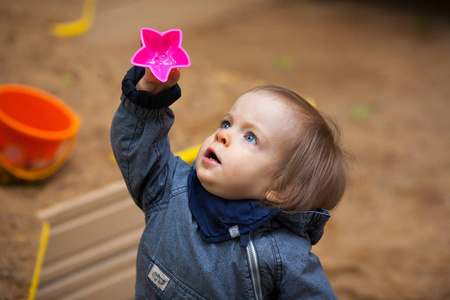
273, 196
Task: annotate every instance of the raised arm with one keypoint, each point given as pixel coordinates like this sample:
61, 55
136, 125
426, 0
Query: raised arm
139, 134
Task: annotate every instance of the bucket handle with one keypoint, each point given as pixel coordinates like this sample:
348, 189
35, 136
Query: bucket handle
33, 175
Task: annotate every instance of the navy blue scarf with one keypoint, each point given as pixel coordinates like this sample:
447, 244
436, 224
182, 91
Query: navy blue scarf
219, 219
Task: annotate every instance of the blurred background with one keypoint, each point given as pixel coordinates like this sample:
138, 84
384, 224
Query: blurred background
380, 69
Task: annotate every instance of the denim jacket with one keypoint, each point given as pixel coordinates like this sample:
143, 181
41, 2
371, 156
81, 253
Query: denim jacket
173, 262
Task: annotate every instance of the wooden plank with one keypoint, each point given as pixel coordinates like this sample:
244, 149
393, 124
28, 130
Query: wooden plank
92, 246
109, 194
93, 228
129, 240
89, 277
115, 287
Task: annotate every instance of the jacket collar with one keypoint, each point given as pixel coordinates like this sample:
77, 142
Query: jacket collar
308, 224
219, 219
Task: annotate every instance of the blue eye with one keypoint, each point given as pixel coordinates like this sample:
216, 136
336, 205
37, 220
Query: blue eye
251, 138
225, 125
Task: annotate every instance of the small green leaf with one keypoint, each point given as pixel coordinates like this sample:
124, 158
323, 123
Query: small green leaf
362, 111
284, 63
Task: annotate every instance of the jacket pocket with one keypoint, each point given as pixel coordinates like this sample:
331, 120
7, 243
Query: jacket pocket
162, 284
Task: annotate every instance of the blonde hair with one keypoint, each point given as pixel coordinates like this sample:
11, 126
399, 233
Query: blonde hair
312, 172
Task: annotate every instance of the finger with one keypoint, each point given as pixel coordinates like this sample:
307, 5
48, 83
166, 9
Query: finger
174, 75
149, 77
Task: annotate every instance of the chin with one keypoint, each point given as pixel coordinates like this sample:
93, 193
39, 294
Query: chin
203, 178
209, 188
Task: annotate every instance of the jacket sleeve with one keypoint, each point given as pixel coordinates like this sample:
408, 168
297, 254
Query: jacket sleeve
139, 139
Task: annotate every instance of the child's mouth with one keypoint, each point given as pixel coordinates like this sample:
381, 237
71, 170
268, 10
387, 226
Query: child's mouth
212, 156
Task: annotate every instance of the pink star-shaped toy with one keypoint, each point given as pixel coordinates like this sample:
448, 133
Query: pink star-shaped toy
161, 52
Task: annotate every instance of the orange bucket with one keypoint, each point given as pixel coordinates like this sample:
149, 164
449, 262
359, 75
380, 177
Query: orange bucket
37, 132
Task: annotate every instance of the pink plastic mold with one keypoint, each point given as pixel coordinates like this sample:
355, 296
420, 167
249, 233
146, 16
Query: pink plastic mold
161, 52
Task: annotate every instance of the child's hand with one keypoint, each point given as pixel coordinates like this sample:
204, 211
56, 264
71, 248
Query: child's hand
150, 84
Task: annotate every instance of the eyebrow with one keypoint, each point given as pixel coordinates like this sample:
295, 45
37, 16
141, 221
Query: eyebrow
228, 116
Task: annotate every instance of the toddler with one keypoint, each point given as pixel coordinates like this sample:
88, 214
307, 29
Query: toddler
239, 223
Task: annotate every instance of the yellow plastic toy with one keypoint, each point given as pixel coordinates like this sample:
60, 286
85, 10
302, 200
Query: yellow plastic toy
77, 27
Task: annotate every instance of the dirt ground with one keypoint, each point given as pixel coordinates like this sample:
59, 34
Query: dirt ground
381, 72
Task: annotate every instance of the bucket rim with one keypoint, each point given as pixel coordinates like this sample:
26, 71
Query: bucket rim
70, 131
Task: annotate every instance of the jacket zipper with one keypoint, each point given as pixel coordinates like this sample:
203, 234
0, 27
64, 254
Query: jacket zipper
254, 268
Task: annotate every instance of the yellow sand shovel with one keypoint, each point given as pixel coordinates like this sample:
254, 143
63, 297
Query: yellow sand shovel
77, 27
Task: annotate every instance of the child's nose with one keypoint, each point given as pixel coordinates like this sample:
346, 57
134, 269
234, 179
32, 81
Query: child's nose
222, 136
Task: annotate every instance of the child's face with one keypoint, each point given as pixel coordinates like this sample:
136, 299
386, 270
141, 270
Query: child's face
239, 160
